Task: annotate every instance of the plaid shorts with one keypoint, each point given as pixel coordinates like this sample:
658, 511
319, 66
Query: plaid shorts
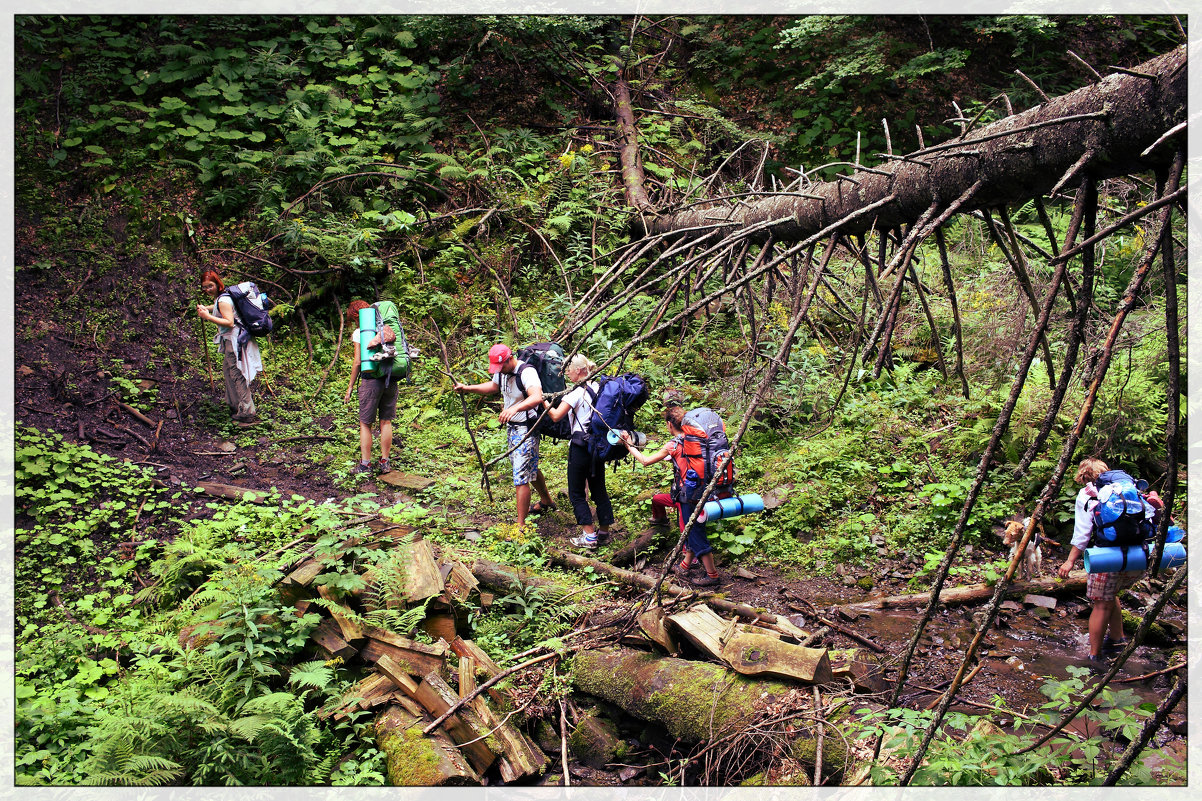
1107, 586
525, 458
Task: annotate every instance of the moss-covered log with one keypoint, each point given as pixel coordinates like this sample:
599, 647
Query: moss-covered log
415, 760
694, 701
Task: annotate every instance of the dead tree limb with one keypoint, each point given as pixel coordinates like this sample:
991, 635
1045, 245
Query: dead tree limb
446, 359
1150, 728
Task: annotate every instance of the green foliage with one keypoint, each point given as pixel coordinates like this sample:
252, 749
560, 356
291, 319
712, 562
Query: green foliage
970, 750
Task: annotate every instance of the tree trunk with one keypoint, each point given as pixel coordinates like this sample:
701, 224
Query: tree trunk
633, 178
1117, 119
415, 760
978, 592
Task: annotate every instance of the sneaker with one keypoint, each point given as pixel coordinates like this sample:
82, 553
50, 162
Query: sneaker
361, 467
1113, 646
585, 541
1097, 664
385, 466
658, 522
706, 580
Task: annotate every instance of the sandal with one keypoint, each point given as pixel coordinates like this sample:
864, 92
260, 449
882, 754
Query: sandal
538, 508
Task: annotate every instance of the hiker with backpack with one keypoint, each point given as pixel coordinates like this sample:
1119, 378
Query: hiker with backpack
522, 395
1101, 589
377, 387
241, 360
583, 469
696, 450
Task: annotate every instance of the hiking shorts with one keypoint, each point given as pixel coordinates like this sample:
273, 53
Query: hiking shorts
375, 397
1101, 587
525, 457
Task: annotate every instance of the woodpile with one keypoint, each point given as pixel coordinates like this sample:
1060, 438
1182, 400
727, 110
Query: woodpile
410, 682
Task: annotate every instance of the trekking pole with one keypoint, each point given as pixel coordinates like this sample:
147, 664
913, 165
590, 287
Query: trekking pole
200, 325
463, 405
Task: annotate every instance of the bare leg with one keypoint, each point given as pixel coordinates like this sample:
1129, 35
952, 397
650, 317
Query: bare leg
1116, 620
364, 443
385, 438
523, 500
707, 561
540, 484
1098, 620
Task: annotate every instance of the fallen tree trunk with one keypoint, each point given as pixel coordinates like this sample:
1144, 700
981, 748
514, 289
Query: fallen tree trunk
416, 760
629, 553
1109, 124
977, 592
694, 701
647, 582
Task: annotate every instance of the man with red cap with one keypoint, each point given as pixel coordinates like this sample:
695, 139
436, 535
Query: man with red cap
522, 392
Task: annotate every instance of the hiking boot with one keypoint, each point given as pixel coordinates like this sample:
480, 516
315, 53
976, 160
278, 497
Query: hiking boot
585, 541
658, 522
706, 580
361, 467
385, 466
1097, 665
602, 536
1110, 646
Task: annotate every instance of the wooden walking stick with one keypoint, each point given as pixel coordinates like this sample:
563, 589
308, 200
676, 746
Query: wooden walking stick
200, 324
463, 404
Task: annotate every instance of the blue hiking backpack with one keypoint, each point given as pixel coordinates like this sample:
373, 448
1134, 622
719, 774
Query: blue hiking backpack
618, 398
1119, 516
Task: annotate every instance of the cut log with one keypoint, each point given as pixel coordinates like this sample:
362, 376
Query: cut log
231, 492
328, 638
422, 579
359, 696
694, 701
466, 649
459, 582
703, 628
467, 676
415, 657
754, 654
415, 760
629, 553
519, 757
440, 626
653, 622
863, 669
350, 631
399, 675
503, 579
971, 593
304, 574
464, 727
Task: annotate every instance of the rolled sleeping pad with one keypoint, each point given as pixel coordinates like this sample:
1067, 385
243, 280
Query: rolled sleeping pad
637, 438
367, 332
1110, 559
1175, 534
731, 507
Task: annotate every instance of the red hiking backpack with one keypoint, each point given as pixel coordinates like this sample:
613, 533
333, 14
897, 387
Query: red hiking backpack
705, 450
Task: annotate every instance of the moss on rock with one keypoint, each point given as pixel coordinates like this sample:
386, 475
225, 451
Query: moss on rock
595, 740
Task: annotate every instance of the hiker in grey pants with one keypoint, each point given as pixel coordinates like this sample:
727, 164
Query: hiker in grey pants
240, 367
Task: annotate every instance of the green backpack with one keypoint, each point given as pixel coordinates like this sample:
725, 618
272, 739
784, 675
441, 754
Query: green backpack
395, 361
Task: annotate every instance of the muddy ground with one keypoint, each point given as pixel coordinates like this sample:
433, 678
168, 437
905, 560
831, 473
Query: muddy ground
62, 383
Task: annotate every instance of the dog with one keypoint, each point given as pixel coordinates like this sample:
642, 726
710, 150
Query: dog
1032, 560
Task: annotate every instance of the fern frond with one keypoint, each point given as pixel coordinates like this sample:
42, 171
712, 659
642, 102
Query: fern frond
311, 674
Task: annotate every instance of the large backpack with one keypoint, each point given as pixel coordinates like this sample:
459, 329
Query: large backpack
705, 450
547, 359
614, 405
250, 308
392, 344
1119, 516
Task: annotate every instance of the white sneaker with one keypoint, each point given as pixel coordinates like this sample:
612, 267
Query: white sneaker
584, 541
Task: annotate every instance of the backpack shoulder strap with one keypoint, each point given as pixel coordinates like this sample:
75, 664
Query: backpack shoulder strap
517, 376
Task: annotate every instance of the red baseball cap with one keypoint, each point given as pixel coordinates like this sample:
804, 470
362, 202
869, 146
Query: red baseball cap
497, 355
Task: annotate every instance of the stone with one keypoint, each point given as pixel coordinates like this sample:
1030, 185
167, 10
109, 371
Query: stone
1045, 601
1041, 612
1011, 606
407, 480
227, 447
744, 573
471, 535
626, 774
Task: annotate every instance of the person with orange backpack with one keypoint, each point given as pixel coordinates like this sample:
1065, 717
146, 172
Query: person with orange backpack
698, 449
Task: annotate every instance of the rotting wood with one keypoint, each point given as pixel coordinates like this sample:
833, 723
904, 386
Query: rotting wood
417, 657
629, 553
519, 758
702, 627
422, 579
349, 629
755, 654
231, 492
417, 760
459, 581
400, 674
970, 593
359, 696
652, 622
328, 639
464, 726
504, 579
